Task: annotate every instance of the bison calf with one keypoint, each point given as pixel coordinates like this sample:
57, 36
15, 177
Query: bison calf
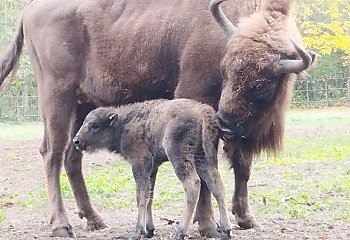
182, 131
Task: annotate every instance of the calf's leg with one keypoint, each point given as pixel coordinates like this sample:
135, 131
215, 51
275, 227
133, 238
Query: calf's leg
187, 174
188, 72
149, 217
142, 184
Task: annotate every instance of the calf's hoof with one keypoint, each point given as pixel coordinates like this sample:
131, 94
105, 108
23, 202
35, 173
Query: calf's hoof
208, 228
210, 233
179, 236
137, 233
247, 223
95, 225
225, 234
135, 236
149, 234
63, 232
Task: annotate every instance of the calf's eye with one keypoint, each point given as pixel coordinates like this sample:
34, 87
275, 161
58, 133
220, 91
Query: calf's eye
94, 127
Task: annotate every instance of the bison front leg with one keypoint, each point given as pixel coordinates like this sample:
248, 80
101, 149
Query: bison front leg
211, 176
204, 213
73, 166
56, 137
240, 207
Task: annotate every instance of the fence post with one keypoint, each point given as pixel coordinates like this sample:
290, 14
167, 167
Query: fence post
307, 93
348, 89
326, 90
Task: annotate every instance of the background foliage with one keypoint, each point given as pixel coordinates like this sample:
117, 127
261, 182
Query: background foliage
325, 25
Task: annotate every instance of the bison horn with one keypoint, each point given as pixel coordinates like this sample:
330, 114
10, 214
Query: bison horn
221, 19
299, 65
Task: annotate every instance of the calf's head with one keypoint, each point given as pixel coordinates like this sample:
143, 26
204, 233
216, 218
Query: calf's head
100, 130
259, 66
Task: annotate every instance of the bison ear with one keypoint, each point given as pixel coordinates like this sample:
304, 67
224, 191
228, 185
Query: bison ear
112, 119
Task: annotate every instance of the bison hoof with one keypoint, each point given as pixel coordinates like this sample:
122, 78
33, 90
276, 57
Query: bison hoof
95, 225
225, 234
64, 232
135, 236
210, 233
247, 223
149, 234
208, 228
179, 236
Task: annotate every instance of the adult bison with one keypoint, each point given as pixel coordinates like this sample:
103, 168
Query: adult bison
88, 53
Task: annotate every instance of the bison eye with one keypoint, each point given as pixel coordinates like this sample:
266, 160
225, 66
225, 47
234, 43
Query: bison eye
94, 127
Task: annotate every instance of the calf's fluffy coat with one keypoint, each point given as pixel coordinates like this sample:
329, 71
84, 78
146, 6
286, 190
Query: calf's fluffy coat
183, 131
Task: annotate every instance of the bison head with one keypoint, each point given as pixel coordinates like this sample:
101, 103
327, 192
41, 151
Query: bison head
100, 130
258, 69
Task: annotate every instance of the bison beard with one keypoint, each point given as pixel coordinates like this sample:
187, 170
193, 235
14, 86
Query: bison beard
86, 54
256, 90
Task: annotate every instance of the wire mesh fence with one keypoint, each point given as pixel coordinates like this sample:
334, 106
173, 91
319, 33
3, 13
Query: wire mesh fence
19, 102
322, 92
319, 93
19, 108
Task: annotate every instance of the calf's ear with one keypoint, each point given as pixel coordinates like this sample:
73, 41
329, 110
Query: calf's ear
112, 119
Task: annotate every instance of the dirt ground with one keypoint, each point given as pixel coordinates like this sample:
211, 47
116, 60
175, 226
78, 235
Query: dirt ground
22, 172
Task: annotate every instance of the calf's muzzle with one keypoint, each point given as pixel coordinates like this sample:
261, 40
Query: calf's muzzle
79, 143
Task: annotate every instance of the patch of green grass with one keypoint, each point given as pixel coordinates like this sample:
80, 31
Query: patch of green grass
13, 156
306, 149
325, 119
114, 187
169, 193
297, 195
110, 187
25, 131
2, 215
319, 148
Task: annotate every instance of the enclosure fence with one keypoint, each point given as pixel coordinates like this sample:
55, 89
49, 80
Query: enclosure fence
322, 92
18, 102
308, 94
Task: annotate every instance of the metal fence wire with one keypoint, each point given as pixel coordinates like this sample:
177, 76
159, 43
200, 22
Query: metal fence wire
319, 93
19, 102
19, 108
322, 92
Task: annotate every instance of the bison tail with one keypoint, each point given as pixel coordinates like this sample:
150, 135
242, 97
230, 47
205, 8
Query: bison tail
9, 60
210, 136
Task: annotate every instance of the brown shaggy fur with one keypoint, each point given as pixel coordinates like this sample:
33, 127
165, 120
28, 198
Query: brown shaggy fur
255, 94
262, 40
89, 53
181, 131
